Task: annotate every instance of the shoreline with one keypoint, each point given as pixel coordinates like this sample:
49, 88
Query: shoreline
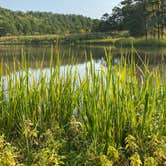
88, 39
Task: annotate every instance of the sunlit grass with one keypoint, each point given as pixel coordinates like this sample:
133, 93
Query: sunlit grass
110, 115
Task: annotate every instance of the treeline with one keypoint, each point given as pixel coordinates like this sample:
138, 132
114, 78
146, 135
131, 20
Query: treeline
139, 17
37, 23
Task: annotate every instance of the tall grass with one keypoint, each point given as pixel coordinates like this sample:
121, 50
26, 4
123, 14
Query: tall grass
126, 42
95, 112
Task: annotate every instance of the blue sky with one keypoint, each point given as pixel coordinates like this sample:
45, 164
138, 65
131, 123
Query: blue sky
90, 8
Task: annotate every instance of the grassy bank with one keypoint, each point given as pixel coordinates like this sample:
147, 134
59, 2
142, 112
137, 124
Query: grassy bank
127, 42
43, 39
118, 40
51, 39
107, 117
48, 39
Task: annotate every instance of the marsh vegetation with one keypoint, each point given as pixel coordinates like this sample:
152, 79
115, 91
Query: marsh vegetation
79, 91
110, 115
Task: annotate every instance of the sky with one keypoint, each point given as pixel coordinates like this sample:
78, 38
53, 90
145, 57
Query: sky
90, 8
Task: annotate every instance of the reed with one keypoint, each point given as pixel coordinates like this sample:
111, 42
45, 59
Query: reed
105, 112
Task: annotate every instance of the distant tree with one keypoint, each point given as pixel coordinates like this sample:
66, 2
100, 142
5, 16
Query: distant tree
116, 19
43, 23
3, 32
139, 17
105, 17
163, 17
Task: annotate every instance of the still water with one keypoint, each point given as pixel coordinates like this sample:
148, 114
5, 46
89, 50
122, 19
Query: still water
77, 56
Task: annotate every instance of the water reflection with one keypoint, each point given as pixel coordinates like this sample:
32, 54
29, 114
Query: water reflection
77, 56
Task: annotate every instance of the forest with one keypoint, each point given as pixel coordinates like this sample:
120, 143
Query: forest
138, 17
38, 23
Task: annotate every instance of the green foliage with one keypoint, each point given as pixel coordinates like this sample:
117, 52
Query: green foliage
139, 17
149, 161
157, 149
47, 154
30, 138
131, 145
7, 154
112, 153
135, 160
79, 121
35, 23
104, 161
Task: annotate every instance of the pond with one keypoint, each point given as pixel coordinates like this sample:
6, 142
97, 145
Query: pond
78, 56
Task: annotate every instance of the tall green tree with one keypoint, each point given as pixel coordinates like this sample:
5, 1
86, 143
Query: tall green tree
20, 23
139, 17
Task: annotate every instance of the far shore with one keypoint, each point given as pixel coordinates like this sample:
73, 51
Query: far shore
84, 38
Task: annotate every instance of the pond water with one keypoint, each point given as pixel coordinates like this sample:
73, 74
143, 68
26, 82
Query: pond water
78, 56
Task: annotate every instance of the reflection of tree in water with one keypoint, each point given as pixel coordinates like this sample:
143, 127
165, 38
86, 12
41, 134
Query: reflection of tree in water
71, 55
35, 55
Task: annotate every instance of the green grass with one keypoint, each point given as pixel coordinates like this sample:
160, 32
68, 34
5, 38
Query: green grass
111, 116
118, 39
51, 39
35, 39
127, 42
